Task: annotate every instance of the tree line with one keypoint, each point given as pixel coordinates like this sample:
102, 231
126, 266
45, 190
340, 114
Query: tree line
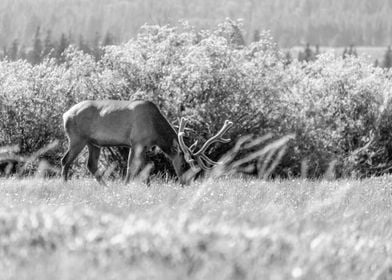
46, 46
310, 53
360, 22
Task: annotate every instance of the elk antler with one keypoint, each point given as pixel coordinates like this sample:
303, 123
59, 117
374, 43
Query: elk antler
187, 151
203, 161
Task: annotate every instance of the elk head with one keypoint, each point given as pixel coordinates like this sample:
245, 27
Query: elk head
198, 159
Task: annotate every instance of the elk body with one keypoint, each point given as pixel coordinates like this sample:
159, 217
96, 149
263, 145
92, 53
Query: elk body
8, 166
135, 124
10, 161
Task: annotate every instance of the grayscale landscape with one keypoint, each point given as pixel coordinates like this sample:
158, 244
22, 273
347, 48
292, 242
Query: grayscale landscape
195, 139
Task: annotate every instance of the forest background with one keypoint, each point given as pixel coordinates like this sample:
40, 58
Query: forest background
31, 29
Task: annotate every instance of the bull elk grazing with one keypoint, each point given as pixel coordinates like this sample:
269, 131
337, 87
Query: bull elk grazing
136, 124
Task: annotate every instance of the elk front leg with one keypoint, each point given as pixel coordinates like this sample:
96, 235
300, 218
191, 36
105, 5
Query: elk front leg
136, 161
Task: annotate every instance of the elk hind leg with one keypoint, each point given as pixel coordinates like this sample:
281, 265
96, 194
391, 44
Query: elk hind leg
92, 163
75, 147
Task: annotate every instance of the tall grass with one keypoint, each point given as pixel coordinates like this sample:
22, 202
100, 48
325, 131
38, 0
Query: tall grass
228, 228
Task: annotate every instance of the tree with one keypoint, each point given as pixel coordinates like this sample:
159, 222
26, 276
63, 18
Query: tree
256, 35
352, 51
13, 52
108, 39
387, 62
4, 52
345, 53
63, 45
35, 55
96, 46
301, 56
237, 37
48, 44
288, 58
22, 52
317, 51
308, 53
83, 45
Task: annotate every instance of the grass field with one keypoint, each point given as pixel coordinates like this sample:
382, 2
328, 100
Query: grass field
221, 229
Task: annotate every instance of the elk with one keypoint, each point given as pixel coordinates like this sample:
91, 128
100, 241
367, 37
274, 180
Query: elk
8, 166
9, 160
138, 125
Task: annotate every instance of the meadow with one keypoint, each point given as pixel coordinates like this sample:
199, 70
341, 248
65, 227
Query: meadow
227, 228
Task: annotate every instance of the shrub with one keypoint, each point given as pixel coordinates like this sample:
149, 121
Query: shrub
339, 109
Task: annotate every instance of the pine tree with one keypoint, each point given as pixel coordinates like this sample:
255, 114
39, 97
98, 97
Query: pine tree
352, 51
96, 47
301, 56
387, 62
4, 55
63, 45
288, 58
256, 35
236, 37
317, 51
22, 52
48, 44
35, 56
108, 39
83, 46
13, 52
345, 53
308, 53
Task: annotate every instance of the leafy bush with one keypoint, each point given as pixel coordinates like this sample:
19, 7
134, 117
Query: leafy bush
339, 109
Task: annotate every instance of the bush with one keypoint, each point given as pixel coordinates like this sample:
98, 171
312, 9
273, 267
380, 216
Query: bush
339, 109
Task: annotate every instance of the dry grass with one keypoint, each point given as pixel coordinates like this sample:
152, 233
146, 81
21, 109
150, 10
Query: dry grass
219, 229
